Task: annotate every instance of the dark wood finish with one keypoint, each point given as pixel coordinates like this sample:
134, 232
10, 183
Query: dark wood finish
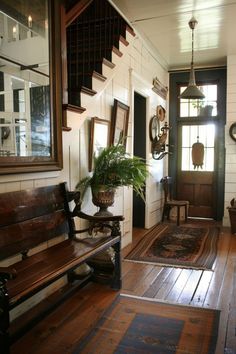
199, 188
170, 203
94, 30
212, 289
76, 10
218, 76
31, 217
232, 217
22, 164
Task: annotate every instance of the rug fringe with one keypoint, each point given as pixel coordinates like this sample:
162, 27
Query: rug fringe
169, 265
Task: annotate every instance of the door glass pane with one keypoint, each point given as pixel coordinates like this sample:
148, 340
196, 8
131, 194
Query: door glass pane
204, 134
202, 108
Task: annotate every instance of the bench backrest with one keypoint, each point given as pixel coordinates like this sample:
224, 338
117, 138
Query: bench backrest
30, 217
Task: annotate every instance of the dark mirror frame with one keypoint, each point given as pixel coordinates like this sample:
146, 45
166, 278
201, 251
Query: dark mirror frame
232, 131
15, 164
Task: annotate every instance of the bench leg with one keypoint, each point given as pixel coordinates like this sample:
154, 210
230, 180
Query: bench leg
4, 319
116, 279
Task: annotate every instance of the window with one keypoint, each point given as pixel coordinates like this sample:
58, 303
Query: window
203, 108
190, 135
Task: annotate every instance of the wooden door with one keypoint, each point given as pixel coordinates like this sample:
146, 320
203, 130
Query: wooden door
197, 183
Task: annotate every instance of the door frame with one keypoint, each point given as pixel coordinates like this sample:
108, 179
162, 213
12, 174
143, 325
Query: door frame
202, 76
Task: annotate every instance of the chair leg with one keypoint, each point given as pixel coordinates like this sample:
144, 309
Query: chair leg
163, 214
186, 213
178, 215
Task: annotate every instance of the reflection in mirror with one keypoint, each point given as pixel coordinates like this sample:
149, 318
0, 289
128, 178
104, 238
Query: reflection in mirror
232, 131
26, 104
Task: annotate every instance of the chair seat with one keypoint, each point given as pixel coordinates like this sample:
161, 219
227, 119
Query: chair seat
177, 202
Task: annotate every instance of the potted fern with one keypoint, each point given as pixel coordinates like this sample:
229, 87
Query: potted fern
113, 168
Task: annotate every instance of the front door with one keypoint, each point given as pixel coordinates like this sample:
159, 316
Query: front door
196, 168
200, 122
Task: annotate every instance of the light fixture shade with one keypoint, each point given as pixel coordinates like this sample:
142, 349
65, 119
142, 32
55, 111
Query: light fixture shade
192, 92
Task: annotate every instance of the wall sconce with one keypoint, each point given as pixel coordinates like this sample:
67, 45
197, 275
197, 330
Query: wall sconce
158, 138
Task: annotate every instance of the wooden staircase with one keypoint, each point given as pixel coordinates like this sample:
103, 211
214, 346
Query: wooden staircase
93, 32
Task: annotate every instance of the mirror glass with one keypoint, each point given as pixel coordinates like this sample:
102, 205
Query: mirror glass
232, 131
26, 101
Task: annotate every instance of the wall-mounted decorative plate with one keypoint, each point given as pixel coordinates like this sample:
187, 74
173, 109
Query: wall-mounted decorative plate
161, 113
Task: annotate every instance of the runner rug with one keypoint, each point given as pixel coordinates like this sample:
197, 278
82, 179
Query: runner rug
187, 246
135, 325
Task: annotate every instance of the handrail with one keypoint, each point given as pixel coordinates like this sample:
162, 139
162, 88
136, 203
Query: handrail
76, 10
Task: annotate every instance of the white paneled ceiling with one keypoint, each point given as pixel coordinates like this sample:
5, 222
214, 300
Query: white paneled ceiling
164, 24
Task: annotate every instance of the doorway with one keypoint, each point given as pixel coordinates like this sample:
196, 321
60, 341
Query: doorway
199, 121
139, 149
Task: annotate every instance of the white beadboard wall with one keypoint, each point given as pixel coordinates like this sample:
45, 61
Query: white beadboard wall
134, 72
230, 145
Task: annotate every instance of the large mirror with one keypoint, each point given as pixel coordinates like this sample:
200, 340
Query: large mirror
30, 87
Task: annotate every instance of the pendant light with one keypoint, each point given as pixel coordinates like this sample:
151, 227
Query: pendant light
192, 91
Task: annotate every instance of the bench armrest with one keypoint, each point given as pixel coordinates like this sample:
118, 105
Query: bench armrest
7, 273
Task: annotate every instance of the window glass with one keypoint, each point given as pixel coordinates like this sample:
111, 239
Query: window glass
204, 134
202, 108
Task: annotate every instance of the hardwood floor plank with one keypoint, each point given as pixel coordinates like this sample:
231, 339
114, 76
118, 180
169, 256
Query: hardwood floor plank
190, 287
157, 284
136, 273
219, 268
179, 285
201, 291
168, 283
59, 332
143, 285
227, 304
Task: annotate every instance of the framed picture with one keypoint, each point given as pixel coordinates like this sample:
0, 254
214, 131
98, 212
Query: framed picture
120, 120
99, 138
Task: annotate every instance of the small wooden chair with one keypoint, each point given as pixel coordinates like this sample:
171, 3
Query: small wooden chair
169, 203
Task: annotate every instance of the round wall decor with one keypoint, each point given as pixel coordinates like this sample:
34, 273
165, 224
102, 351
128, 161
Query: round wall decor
161, 113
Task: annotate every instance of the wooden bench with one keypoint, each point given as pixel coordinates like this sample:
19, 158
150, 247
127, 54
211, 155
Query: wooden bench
30, 218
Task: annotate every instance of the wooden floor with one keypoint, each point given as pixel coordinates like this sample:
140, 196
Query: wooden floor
60, 332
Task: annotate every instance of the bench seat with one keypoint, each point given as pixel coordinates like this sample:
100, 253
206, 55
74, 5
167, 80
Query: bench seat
41, 269
33, 218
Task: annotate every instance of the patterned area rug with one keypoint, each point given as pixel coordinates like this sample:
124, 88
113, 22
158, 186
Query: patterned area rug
180, 246
135, 325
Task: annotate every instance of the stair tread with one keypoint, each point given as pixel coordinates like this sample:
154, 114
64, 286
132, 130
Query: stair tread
73, 108
88, 91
